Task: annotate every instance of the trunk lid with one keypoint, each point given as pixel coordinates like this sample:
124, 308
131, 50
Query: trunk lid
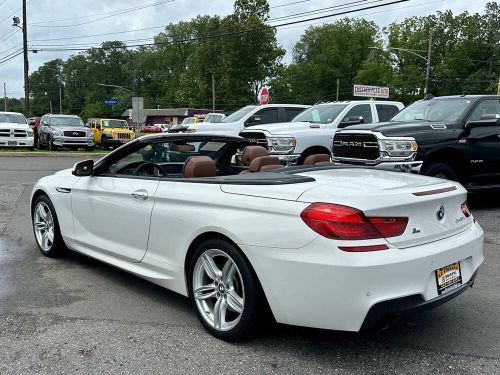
395, 194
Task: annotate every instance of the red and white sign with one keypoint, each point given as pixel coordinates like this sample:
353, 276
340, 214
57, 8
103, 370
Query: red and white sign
371, 91
264, 95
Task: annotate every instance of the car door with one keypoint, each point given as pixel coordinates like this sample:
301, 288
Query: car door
483, 144
112, 213
44, 129
264, 116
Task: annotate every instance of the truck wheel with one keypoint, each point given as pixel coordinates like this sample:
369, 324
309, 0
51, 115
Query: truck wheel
440, 170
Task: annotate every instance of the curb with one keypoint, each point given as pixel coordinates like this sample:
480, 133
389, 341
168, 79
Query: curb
54, 154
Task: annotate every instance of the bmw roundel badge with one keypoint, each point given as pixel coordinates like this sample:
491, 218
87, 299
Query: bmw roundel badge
440, 213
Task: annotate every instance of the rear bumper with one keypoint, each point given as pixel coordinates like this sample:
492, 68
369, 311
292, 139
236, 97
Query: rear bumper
19, 142
411, 303
321, 286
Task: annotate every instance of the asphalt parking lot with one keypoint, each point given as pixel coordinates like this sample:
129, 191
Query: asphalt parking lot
75, 315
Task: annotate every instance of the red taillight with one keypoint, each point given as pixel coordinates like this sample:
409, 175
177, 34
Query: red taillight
465, 209
348, 223
389, 226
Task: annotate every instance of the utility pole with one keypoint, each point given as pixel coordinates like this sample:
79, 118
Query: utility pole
50, 104
338, 83
498, 89
60, 100
26, 65
213, 92
5, 97
428, 70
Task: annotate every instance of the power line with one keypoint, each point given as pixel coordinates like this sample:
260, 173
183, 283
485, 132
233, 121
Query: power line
17, 10
116, 13
11, 57
262, 28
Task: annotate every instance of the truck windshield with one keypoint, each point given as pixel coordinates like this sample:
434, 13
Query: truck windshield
15, 118
239, 114
320, 114
434, 110
66, 121
114, 123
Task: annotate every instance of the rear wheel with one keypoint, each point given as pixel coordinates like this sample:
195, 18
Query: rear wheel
46, 228
440, 170
224, 291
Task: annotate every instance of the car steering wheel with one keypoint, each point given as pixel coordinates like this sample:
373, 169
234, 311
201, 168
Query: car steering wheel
149, 169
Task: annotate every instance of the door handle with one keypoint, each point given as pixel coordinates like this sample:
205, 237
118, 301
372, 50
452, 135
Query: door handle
140, 194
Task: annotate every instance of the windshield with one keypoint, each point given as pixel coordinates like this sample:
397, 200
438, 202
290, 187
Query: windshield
320, 114
441, 110
239, 114
214, 118
15, 118
66, 121
114, 123
188, 120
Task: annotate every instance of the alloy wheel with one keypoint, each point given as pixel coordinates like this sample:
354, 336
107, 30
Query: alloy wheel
43, 223
218, 290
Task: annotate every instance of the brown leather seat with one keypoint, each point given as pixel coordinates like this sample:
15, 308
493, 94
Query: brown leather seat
199, 166
264, 163
182, 148
252, 152
316, 159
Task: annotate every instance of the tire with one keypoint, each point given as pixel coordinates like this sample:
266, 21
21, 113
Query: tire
50, 145
50, 245
242, 292
304, 155
440, 170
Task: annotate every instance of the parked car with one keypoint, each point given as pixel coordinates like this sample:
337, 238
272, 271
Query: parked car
311, 132
110, 132
69, 131
250, 116
15, 131
164, 127
34, 123
214, 117
452, 137
184, 125
151, 129
323, 246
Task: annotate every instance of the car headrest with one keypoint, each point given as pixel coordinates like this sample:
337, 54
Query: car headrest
252, 152
264, 161
182, 148
317, 158
199, 166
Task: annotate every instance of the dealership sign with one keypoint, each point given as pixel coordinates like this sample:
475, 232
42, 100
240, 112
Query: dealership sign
371, 91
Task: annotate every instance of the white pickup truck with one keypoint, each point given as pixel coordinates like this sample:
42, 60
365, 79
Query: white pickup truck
250, 115
312, 131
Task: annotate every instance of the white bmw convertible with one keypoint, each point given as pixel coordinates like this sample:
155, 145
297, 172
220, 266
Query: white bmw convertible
220, 221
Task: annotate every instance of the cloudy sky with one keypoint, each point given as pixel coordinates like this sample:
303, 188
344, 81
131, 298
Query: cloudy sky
53, 23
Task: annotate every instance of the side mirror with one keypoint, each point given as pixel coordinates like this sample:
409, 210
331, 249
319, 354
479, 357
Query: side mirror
353, 120
83, 168
486, 120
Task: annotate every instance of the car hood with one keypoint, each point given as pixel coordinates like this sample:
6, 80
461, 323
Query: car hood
214, 127
13, 125
283, 127
399, 128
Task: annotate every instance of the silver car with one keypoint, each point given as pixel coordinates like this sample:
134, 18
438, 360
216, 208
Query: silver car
64, 131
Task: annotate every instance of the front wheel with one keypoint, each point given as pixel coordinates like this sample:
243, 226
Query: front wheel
440, 170
224, 291
46, 228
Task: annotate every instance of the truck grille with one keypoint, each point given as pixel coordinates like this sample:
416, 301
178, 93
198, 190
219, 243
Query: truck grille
123, 135
75, 133
18, 133
356, 146
255, 137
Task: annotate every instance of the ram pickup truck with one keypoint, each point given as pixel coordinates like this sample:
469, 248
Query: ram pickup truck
311, 132
251, 115
451, 137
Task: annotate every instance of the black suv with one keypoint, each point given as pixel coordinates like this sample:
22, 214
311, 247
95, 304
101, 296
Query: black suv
452, 137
